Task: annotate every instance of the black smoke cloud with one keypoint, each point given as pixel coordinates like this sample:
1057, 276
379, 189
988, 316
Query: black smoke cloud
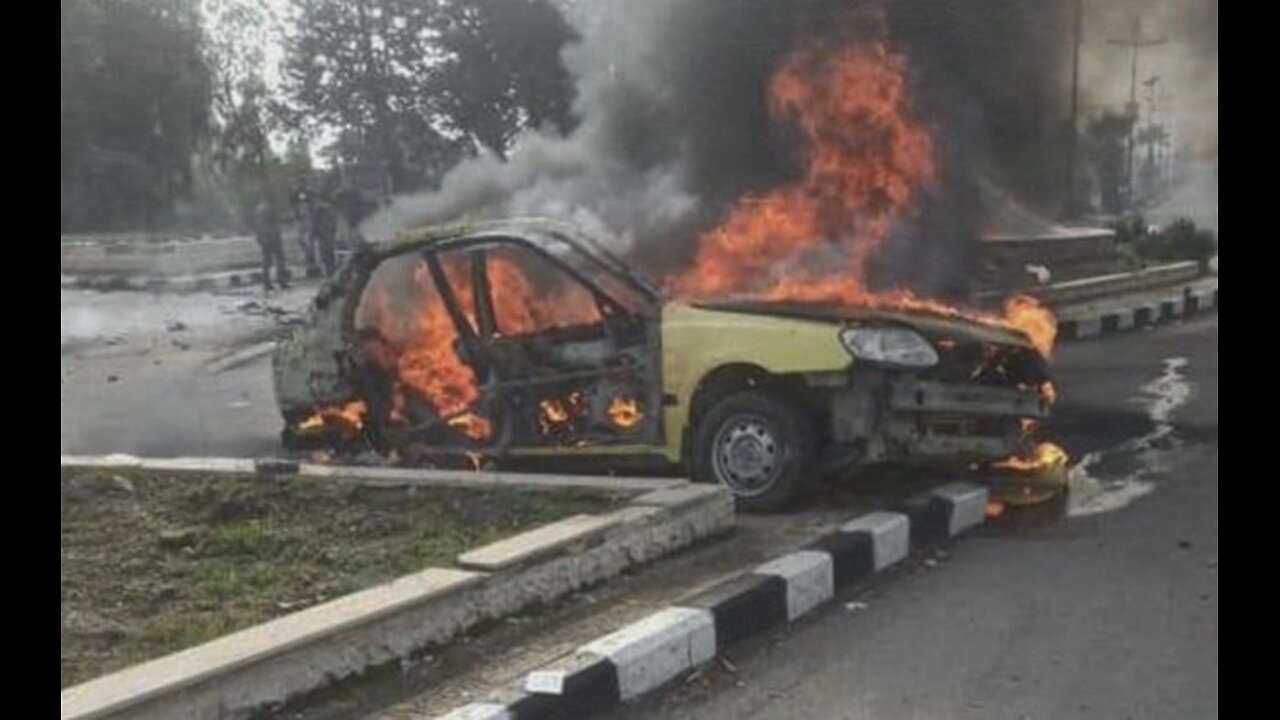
672, 125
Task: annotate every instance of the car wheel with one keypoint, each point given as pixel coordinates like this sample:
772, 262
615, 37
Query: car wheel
757, 446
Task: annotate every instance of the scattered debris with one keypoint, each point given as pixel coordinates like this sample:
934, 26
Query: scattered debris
177, 538
122, 483
1041, 273
282, 316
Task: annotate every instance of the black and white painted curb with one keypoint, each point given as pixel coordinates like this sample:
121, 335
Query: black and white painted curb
1122, 314
655, 650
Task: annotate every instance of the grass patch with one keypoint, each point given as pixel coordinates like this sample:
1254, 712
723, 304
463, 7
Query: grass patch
156, 562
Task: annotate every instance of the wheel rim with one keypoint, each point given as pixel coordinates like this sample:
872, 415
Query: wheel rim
746, 455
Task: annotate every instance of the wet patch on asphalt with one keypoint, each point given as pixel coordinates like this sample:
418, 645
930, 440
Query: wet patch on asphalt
1111, 478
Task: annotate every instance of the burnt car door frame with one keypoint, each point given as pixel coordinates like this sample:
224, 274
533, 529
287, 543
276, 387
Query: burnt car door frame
475, 344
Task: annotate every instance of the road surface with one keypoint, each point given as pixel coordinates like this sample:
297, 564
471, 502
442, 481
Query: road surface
1112, 613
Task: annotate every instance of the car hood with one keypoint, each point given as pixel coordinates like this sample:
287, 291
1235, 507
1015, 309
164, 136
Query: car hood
934, 327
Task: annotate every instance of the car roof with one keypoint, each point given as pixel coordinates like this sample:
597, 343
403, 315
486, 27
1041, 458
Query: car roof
539, 231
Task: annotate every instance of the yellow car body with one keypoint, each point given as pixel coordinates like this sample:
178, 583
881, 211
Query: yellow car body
735, 362
696, 342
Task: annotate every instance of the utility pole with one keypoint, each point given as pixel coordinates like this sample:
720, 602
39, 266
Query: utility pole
1073, 131
1135, 42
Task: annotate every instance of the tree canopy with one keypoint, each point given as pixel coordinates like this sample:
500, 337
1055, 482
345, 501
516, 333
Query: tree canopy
154, 90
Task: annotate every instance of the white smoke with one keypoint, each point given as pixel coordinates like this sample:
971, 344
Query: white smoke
613, 171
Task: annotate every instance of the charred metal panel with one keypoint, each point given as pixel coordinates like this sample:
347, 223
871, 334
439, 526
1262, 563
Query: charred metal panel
957, 436
307, 367
894, 415
936, 397
960, 446
858, 410
971, 363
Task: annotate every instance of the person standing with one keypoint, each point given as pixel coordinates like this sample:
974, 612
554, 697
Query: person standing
324, 228
266, 229
304, 201
349, 204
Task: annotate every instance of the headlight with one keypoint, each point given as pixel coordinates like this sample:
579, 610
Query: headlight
896, 346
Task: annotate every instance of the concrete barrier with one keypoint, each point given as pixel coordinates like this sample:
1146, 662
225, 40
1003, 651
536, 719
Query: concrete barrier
1101, 286
261, 667
1128, 312
646, 655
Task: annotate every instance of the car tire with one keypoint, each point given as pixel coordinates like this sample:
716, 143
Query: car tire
757, 446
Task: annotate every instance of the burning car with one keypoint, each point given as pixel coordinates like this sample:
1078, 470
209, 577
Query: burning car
524, 339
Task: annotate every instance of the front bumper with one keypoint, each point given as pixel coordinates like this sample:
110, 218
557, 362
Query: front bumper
893, 417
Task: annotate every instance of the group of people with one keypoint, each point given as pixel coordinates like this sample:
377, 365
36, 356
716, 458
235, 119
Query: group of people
317, 217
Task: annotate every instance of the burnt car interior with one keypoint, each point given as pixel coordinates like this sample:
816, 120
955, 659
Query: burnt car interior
544, 355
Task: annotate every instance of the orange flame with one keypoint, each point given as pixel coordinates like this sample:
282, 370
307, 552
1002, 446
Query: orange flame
1025, 313
553, 411
557, 414
1047, 456
624, 411
420, 350
349, 416
471, 425
866, 161
422, 354
522, 308
1048, 393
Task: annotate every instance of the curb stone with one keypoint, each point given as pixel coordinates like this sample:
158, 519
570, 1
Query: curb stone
1121, 314
648, 654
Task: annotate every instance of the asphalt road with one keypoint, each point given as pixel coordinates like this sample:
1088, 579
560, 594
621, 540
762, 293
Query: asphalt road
142, 373
1112, 613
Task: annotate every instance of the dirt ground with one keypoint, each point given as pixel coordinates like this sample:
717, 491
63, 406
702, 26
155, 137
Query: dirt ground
153, 563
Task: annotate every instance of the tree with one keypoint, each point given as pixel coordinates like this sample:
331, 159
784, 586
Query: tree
135, 107
502, 71
414, 85
246, 115
361, 67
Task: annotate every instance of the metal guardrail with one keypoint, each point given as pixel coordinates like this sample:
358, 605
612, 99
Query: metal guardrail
1072, 291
